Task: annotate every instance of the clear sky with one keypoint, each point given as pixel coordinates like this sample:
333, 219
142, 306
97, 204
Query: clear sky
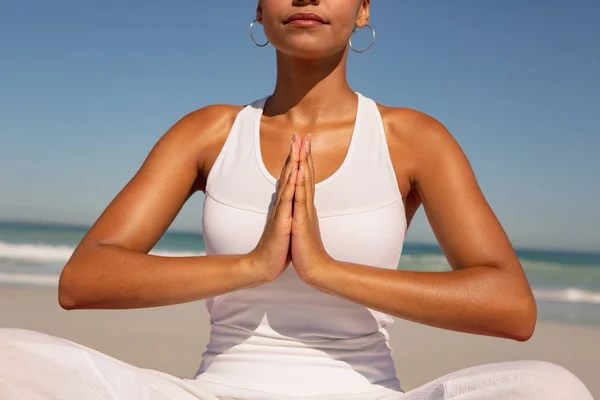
86, 89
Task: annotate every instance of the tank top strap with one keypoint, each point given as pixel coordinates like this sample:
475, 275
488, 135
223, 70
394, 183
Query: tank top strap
366, 180
236, 169
369, 131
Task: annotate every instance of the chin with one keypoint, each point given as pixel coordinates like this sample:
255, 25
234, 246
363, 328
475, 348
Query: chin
308, 48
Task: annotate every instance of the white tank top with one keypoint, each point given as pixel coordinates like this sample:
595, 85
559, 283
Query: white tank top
284, 336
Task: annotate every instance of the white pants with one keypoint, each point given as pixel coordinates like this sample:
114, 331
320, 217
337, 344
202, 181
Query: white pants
35, 366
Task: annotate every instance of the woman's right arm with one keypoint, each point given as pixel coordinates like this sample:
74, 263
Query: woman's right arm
111, 269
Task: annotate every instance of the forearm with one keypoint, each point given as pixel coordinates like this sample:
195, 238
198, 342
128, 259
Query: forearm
111, 277
479, 300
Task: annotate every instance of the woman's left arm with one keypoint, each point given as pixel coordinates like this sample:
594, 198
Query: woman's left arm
486, 292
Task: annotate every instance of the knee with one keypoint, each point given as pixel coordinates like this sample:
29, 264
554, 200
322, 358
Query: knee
27, 350
553, 381
10, 336
16, 347
19, 342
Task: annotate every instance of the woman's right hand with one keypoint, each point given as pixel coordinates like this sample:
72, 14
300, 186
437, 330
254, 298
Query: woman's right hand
272, 253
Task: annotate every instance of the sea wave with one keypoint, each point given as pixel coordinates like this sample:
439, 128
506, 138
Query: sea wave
24, 264
45, 280
438, 262
45, 253
567, 295
35, 252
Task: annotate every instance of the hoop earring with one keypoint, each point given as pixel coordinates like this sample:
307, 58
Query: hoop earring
252, 37
372, 41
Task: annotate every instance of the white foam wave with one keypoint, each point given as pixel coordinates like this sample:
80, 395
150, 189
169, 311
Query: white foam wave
44, 253
567, 295
60, 254
439, 262
35, 252
29, 279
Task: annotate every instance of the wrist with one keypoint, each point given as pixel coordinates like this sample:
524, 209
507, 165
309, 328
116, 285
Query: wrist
320, 273
256, 270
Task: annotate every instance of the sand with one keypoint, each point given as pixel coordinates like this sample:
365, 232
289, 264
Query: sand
172, 339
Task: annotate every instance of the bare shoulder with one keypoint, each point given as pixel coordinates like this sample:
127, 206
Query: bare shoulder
418, 138
204, 127
212, 117
415, 127
199, 136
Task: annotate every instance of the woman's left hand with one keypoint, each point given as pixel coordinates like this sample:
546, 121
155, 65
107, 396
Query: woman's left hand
308, 253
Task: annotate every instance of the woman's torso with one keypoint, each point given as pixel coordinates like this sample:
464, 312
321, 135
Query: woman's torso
284, 336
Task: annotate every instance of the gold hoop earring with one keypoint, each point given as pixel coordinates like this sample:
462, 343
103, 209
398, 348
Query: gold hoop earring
252, 36
372, 40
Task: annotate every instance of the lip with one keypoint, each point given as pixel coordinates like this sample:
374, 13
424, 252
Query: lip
310, 19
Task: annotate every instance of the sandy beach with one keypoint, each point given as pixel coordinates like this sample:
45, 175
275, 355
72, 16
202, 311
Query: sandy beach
172, 339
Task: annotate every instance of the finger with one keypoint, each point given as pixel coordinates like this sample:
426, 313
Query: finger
283, 182
300, 205
295, 148
285, 170
308, 183
286, 202
310, 157
310, 187
288, 166
302, 167
303, 148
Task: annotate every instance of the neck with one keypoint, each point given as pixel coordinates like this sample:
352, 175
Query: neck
306, 90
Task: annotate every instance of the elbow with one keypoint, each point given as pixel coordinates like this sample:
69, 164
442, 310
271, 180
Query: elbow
66, 299
68, 287
522, 321
66, 302
76, 282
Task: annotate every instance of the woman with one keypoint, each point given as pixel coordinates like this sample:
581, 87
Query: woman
300, 274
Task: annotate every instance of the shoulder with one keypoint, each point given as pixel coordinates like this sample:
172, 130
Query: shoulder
419, 137
198, 132
414, 127
206, 124
213, 115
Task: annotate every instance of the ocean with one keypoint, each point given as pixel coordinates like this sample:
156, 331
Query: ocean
566, 284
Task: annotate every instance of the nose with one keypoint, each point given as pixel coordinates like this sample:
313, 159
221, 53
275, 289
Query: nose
300, 3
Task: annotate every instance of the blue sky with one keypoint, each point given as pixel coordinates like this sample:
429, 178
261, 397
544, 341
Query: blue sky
87, 88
